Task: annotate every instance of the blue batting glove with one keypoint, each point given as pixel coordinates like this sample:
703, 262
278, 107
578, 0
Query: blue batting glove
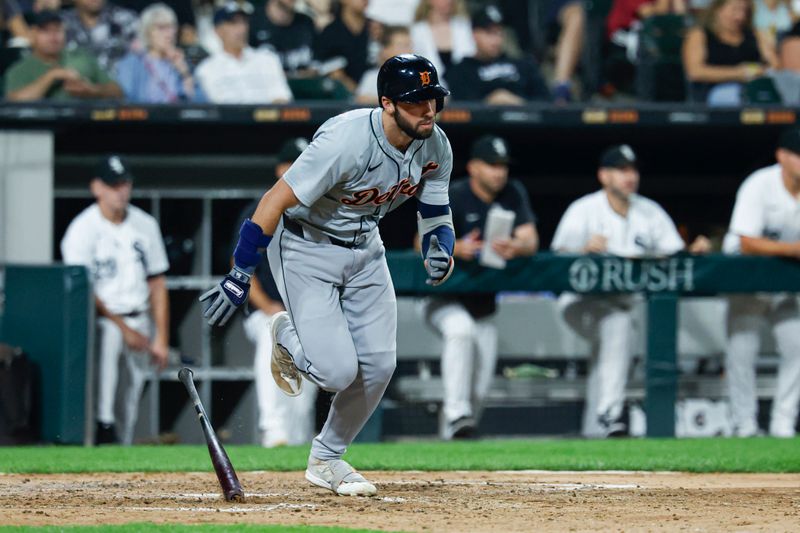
226, 297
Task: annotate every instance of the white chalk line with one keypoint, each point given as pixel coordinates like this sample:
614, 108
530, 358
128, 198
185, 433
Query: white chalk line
533, 485
232, 509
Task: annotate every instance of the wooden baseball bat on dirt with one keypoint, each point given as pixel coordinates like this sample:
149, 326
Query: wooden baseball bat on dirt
231, 488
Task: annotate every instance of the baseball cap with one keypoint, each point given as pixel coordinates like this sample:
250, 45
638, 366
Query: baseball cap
230, 9
487, 16
112, 170
43, 18
790, 139
292, 149
621, 156
491, 149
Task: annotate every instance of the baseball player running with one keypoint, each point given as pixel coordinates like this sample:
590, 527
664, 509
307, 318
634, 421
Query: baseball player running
327, 256
765, 222
614, 220
122, 247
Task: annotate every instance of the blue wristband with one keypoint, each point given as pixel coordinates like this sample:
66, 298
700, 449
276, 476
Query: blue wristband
249, 249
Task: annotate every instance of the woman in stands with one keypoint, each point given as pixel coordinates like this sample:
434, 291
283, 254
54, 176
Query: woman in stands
157, 73
442, 33
723, 53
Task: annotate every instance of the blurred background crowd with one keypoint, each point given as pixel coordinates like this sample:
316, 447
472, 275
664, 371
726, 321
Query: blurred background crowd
508, 52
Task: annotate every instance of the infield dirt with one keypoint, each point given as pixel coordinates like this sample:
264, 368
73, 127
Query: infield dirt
418, 501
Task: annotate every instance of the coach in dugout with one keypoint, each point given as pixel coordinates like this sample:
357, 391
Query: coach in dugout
122, 247
614, 220
469, 352
765, 222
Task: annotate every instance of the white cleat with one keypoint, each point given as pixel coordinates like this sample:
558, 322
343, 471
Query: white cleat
285, 374
338, 476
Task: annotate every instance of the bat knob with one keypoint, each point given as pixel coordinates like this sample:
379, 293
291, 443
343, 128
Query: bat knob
185, 374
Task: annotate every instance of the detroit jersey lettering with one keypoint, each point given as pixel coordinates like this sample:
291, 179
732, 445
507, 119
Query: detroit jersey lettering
349, 177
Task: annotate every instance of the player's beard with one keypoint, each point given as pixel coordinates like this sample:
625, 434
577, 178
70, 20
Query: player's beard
408, 128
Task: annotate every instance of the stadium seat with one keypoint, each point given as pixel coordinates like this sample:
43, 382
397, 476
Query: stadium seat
762, 91
659, 75
318, 89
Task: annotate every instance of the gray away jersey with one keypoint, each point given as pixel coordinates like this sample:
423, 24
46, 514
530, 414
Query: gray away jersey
350, 176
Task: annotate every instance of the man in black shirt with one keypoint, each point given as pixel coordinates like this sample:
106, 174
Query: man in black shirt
490, 76
347, 39
282, 419
470, 339
286, 32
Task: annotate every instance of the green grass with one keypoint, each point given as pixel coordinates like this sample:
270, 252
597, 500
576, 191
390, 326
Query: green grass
689, 455
158, 528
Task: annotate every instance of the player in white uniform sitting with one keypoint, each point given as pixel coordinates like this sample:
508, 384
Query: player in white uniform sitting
766, 221
614, 220
122, 247
328, 259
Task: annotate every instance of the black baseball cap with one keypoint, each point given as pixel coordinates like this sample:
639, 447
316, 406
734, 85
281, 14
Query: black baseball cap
491, 149
112, 170
230, 9
292, 149
43, 18
487, 16
790, 139
621, 156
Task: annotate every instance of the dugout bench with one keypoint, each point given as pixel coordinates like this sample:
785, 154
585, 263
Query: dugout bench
661, 280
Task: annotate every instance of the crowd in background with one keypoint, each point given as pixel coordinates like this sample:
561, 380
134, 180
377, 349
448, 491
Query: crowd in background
502, 52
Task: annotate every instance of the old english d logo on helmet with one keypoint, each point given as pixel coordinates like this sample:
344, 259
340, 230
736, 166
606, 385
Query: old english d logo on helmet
410, 78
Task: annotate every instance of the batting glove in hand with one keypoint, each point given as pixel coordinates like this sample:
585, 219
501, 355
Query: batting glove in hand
226, 297
438, 263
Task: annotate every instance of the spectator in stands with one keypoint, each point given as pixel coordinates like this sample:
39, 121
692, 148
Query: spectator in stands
723, 53
771, 18
395, 40
282, 30
52, 73
158, 74
625, 20
183, 9
787, 76
18, 15
320, 11
765, 222
345, 42
104, 29
238, 74
490, 75
469, 353
614, 220
282, 420
571, 18
442, 33
122, 247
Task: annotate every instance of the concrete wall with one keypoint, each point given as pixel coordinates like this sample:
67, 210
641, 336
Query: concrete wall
26, 197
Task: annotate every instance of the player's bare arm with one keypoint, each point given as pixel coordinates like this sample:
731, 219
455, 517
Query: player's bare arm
159, 304
272, 205
761, 246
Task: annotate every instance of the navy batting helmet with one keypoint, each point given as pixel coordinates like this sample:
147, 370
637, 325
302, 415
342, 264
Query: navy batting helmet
410, 78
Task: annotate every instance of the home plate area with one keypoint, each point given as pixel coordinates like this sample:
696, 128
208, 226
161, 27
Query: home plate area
417, 501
